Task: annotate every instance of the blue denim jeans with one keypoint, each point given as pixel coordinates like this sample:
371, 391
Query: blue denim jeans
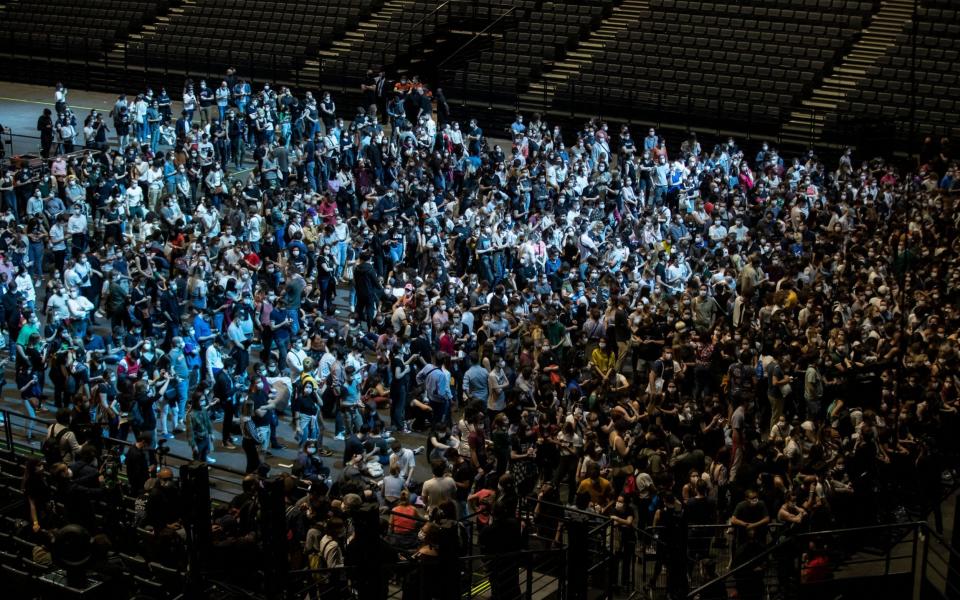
309, 428
348, 420
35, 252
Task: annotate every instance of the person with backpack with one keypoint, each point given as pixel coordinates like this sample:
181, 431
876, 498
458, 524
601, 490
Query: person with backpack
61, 444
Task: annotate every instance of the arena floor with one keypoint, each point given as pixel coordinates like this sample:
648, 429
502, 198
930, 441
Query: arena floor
20, 106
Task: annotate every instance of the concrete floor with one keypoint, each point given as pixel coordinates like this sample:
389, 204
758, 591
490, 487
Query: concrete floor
22, 104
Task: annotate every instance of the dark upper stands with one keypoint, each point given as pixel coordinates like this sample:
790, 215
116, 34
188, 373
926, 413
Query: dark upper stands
885, 93
394, 36
542, 36
90, 26
714, 59
698, 54
261, 37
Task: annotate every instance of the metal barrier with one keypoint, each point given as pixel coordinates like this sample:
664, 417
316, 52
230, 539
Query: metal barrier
709, 551
18, 429
897, 560
522, 575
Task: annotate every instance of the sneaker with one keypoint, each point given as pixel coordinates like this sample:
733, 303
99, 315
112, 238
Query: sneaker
339, 437
167, 436
418, 450
98, 314
211, 460
325, 452
229, 446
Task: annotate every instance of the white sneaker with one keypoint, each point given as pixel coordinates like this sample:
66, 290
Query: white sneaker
211, 460
419, 450
339, 437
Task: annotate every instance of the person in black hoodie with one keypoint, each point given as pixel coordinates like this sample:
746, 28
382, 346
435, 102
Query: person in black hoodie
368, 288
45, 127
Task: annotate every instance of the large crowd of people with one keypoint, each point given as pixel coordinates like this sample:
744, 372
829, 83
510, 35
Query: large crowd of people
652, 330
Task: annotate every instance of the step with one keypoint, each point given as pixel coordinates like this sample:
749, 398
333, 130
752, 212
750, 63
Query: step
805, 125
851, 71
831, 92
801, 129
885, 28
825, 105
892, 20
871, 45
841, 81
806, 117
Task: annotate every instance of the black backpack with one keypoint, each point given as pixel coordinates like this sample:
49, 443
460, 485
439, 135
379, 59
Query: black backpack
51, 446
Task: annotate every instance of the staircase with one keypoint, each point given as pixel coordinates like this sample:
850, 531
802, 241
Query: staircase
624, 15
806, 124
149, 29
366, 29
114, 72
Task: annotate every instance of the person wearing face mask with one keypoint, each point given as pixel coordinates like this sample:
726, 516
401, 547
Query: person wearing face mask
497, 383
664, 370
306, 411
295, 358
624, 518
750, 519
603, 361
200, 427
309, 467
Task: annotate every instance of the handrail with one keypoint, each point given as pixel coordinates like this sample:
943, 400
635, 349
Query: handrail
749, 564
943, 542
790, 539
417, 28
862, 529
475, 37
7, 414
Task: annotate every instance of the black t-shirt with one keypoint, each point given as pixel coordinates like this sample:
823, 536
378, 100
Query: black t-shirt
463, 473
307, 404
422, 347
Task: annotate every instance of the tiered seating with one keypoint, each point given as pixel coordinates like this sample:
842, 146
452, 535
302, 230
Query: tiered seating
87, 26
544, 35
885, 93
261, 37
393, 36
702, 54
